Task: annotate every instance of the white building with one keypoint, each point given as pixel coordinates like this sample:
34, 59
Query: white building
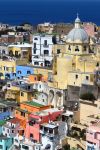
52, 134
42, 50
11, 128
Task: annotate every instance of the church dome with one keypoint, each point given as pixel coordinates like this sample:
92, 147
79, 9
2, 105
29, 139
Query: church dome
77, 33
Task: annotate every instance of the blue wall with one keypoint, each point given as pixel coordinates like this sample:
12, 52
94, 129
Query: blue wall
6, 143
23, 72
5, 115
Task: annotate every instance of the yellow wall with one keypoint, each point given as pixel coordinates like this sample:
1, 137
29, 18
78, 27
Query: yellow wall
26, 96
42, 71
15, 49
7, 67
64, 65
79, 78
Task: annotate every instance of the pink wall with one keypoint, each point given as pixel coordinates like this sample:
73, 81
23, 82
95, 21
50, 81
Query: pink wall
36, 127
93, 134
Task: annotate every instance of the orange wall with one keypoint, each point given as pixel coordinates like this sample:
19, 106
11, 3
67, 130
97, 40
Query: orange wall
33, 108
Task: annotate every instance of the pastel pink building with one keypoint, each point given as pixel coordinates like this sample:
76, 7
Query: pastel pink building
36, 119
90, 28
93, 137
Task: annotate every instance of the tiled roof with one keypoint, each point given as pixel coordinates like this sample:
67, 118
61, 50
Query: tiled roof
14, 120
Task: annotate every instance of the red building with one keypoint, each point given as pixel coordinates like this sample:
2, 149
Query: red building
36, 119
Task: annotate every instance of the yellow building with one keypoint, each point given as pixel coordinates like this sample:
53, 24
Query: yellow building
8, 65
21, 51
78, 78
25, 95
75, 55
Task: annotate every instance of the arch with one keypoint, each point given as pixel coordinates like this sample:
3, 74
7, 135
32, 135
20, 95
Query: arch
51, 96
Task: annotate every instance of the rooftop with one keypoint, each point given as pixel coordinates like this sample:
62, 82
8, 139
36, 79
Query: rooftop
47, 111
2, 122
50, 125
14, 120
32, 103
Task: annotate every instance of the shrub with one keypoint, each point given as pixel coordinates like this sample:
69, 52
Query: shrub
88, 96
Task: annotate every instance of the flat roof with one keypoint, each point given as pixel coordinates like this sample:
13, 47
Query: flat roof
49, 125
32, 103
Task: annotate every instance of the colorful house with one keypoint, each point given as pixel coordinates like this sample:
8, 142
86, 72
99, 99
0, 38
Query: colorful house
27, 108
6, 109
22, 71
36, 119
5, 142
11, 128
93, 136
52, 134
21, 50
8, 67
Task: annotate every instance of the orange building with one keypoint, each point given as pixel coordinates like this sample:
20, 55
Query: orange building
26, 108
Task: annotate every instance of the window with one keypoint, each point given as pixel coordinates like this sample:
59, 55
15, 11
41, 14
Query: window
14, 74
46, 52
16, 53
28, 72
69, 48
8, 85
87, 77
34, 45
34, 51
22, 94
35, 78
58, 51
31, 135
35, 38
19, 72
29, 87
85, 48
12, 131
97, 65
23, 114
4, 68
76, 76
45, 42
3, 52
36, 63
25, 147
77, 49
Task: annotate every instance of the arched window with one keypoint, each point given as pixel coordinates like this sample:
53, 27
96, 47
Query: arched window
77, 49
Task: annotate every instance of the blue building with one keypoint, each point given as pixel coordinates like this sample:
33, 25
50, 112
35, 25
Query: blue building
21, 71
5, 142
7, 109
